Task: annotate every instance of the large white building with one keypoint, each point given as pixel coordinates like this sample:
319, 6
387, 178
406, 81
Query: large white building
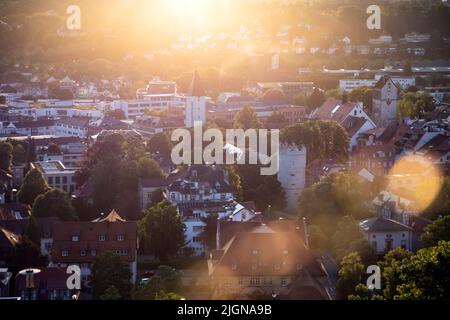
385, 234
291, 172
350, 84
77, 127
195, 110
57, 175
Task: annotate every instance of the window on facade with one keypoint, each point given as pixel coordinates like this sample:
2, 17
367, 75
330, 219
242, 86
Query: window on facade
50, 180
82, 253
120, 237
403, 244
75, 238
234, 266
101, 237
254, 281
283, 281
65, 253
93, 252
48, 246
255, 251
122, 252
57, 180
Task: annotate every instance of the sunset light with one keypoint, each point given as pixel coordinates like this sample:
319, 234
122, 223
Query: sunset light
225, 155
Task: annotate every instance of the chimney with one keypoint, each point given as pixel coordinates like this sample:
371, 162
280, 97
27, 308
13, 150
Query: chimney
305, 230
218, 244
344, 97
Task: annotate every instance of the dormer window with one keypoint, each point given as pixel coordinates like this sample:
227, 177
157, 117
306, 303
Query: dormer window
75, 238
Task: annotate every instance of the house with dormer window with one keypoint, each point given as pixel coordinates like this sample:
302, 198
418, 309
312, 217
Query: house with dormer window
79, 242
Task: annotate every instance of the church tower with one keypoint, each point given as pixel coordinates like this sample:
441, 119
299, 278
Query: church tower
384, 101
291, 173
195, 103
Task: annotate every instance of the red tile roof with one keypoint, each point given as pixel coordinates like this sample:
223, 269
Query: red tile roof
88, 239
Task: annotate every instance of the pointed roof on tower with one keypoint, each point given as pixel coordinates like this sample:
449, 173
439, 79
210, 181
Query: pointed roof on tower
196, 87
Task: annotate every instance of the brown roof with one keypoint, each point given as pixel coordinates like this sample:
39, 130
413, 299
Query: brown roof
88, 239
262, 251
47, 279
333, 109
352, 124
196, 87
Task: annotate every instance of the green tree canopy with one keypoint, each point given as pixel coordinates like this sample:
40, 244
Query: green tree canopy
149, 168
6, 156
415, 105
54, 203
334, 196
165, 284
438, 230
350, 272
274, 96
160, 143
323, 139
315, 99
161, 230
426, 275
363, 94
34, 184
110, 277
246, 118
349, 238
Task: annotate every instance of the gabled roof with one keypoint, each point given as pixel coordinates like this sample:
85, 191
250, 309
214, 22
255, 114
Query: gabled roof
352, 124
263, 251
383, 80
196, 88
333, 109
381, 224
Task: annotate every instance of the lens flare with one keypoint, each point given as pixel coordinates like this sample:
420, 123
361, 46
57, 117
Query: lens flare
415, 178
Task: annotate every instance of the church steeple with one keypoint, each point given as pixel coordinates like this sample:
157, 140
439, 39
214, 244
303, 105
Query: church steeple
196, 87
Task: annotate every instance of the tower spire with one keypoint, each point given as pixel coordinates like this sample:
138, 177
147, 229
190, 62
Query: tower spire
196, 87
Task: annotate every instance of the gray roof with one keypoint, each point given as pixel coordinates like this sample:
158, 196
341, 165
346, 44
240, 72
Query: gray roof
381, 224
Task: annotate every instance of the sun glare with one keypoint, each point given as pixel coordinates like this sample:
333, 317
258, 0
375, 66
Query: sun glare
415, 178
